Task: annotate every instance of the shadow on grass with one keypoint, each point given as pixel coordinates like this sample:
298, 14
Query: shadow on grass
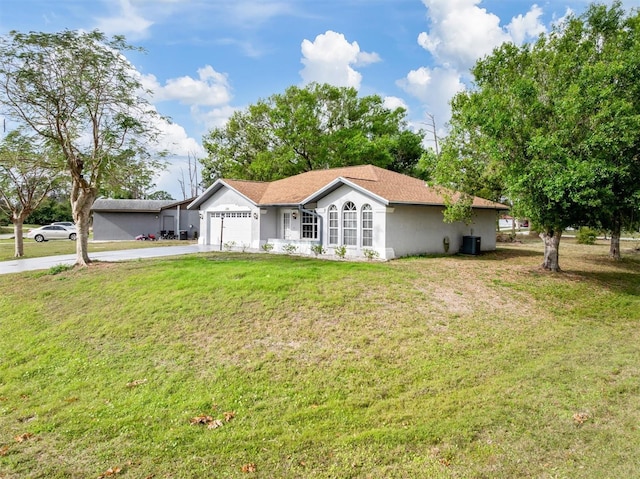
626, 283
630, 261
503, 253
620, 276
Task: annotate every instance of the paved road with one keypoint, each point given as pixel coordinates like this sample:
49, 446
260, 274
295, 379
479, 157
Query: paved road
31, 264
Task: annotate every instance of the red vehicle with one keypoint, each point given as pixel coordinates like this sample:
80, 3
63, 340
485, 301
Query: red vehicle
148, 237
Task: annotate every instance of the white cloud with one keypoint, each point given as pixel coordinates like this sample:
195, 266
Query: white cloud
434, 88
528, 26
461, 32
330, 58
126, 22
393, 102
214, 117
175, 140
365, 59
558, 21
211, 88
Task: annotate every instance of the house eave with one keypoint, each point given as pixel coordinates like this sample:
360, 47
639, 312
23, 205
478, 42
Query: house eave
442, 205
279, 205
105, 205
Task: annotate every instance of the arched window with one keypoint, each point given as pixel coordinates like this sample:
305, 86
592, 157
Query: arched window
333, 224
367, 226
349, 224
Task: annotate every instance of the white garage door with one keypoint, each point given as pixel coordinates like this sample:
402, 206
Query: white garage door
233, 227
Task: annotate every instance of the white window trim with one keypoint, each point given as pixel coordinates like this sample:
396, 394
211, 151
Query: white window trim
366, 208
333, 209
354, 228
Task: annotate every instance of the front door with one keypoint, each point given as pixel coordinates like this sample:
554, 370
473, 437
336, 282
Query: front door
286, 225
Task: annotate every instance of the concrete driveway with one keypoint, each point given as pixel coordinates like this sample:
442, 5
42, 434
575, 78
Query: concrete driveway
46, 262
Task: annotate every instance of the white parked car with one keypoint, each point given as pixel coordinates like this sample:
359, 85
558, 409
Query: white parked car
66, 224
52, 232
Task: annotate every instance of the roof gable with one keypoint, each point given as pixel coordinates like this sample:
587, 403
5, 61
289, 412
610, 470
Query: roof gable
251, 190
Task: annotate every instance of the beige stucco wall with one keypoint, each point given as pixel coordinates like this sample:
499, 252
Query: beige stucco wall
484, 225
421, 230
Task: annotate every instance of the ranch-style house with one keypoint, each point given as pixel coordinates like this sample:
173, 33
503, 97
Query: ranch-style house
363, 208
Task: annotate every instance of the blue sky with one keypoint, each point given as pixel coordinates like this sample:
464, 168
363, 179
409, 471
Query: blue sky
206, 58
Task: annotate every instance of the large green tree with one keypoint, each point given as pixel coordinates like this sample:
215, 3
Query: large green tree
27, 174
607, 89
543, 121
303, 129
129, 178
55, 207
78, 91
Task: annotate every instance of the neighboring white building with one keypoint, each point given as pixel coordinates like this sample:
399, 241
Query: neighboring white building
359, 207
509, 222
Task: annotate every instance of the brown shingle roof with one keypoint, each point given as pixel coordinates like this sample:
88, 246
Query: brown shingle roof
391, 186
254, 190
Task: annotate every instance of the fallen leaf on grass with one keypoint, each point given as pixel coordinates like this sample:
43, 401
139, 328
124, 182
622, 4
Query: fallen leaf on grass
251, 467
23, 437
135, 383
211, 422
215, 424
112, 471
203, 419
580, 418
4, 450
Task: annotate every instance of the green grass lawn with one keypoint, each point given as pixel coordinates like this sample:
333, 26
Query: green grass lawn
439, 367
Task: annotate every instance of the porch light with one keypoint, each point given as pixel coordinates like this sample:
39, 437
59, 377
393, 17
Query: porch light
294, 215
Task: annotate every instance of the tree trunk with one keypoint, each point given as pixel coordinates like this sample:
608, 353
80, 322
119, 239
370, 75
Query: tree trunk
551, 240
614, 245
82, 198
18, 239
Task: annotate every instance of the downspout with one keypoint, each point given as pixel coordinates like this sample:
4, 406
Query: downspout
320, 222
221, 229
178, 221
